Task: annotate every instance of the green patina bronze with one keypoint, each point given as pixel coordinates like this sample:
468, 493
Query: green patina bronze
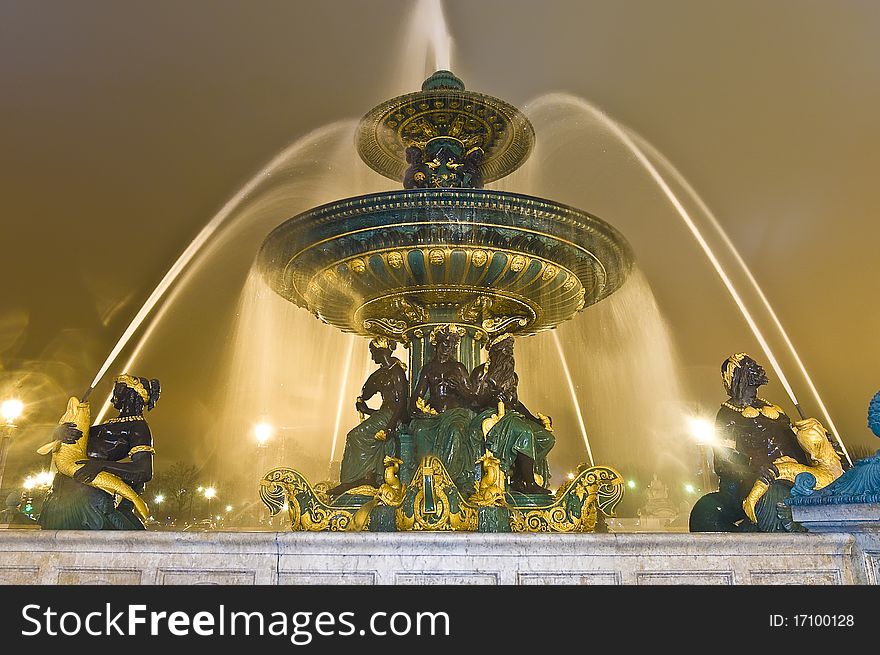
445, 254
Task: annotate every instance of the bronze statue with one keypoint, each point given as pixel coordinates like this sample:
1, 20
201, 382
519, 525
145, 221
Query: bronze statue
762, 438
441, 410
81, 501
417, 174
443, 162
367, 443
519, 439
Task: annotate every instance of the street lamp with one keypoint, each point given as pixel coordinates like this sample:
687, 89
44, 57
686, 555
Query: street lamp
263, 431
10, 410
210, 493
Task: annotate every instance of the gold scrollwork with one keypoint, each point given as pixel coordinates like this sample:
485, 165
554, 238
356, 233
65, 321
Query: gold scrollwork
501, 322
306, 509
586, 493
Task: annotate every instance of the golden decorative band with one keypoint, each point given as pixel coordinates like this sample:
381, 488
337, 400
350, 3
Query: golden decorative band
142, 449
134, 383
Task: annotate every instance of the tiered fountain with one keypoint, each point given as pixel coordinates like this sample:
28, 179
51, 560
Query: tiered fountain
443, 253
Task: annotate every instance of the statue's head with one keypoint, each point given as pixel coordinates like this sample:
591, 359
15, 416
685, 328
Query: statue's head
475, 156
133, 394
501, 347
445, 341
381, 349
874, 414
740, 372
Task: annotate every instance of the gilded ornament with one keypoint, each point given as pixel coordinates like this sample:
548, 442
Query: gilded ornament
437, 257
135, 384
549, 273
125, 419
479, 258
490, 490
307, 509
733, 363
395, 259
769, 410
518, 263
447, 510
142, 449
825, 463
576, 506
423, 406
491, 421
358, 265
393, 491
570, 281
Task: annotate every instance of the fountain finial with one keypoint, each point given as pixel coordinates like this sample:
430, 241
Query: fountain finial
443, 79
415, 137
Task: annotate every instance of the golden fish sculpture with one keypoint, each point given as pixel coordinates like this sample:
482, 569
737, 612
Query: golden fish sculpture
65, 457
824, 463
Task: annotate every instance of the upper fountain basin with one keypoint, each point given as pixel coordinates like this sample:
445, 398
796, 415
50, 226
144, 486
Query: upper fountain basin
390, 263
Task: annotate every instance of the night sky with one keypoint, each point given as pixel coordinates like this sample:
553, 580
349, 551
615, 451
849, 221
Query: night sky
124, 128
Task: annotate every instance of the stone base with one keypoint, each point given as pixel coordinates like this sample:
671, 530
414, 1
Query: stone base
844, 517
43, 557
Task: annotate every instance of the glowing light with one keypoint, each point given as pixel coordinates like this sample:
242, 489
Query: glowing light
159, 499
11, 409
263, 431
570, 476
210, 493
200, 489
631, 484
229, 508
44, 479
701, 429
689, 488
29, 483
